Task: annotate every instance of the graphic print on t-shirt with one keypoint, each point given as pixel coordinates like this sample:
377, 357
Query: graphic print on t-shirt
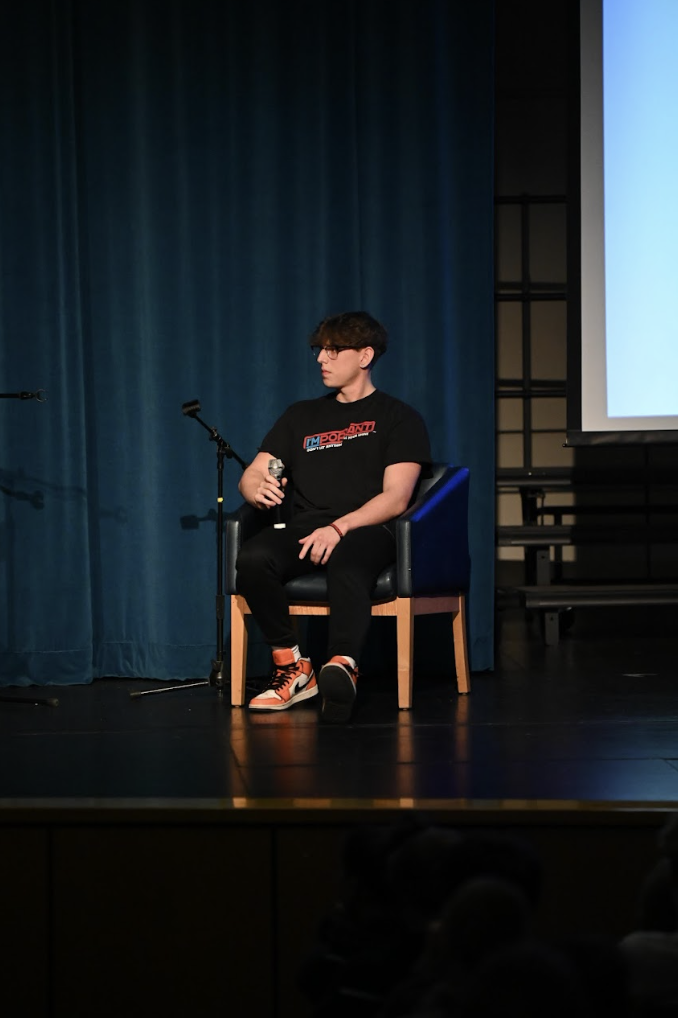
334, 439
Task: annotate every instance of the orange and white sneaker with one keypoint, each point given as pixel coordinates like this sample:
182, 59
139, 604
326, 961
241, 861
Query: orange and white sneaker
337, 681
293, 681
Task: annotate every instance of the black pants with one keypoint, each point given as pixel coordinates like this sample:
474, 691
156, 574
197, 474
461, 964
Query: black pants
271, 558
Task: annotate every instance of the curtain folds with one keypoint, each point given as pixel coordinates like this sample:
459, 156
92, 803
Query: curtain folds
186, 189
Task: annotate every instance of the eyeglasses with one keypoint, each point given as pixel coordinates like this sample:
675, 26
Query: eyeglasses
331, 351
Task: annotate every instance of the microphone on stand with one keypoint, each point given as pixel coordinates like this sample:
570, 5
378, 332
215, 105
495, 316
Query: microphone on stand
276, 468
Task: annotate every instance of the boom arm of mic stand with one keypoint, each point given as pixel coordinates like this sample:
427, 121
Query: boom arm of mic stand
40, 395
222, 444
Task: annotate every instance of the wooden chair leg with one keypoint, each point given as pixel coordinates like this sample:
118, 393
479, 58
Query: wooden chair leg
405, 637
461, 648
238, 650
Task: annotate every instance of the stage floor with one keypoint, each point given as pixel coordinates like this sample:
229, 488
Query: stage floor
591, 721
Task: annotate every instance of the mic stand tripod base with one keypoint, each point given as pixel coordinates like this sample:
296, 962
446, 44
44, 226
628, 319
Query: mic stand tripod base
217, 677
137, 694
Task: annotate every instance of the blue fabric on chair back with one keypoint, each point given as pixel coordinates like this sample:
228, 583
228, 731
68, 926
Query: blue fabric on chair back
433, 556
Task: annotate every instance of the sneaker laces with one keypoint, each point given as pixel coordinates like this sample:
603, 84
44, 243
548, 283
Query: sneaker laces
282, 675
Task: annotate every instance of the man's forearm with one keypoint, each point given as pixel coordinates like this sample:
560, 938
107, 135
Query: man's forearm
383, 507
399, 483
249, 482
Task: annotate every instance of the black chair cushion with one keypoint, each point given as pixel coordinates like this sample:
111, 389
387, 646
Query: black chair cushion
313, 587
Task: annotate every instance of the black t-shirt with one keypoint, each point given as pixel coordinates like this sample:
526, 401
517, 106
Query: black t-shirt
335, 453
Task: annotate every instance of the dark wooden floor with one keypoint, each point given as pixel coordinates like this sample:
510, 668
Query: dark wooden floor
594, 719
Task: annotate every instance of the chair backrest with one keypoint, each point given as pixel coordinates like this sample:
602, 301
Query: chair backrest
424, 483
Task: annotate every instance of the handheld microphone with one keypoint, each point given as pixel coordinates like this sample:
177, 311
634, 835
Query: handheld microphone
276, 469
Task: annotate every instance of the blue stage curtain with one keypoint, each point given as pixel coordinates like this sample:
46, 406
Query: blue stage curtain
186, 188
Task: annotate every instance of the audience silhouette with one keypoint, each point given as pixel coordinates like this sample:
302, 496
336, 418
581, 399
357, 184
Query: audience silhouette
434, 922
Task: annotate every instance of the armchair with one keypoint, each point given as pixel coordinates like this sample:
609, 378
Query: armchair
430, 575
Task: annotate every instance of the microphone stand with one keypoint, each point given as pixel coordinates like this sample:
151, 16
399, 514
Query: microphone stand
35, 701
224, 451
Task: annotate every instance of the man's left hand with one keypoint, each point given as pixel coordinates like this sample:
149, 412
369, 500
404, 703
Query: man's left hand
320, 544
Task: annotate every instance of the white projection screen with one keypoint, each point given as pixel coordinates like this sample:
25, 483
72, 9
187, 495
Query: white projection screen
623, 231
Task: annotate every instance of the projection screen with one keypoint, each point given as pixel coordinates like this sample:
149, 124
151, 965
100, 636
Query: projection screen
623, 230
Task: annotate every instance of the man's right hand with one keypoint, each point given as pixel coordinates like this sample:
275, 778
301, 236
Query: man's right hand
260, 488
269, 493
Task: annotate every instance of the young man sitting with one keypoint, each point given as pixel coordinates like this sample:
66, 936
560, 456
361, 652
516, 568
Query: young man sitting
354, 457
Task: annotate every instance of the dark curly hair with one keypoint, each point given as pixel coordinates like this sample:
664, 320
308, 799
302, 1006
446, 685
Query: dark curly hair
354, 329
